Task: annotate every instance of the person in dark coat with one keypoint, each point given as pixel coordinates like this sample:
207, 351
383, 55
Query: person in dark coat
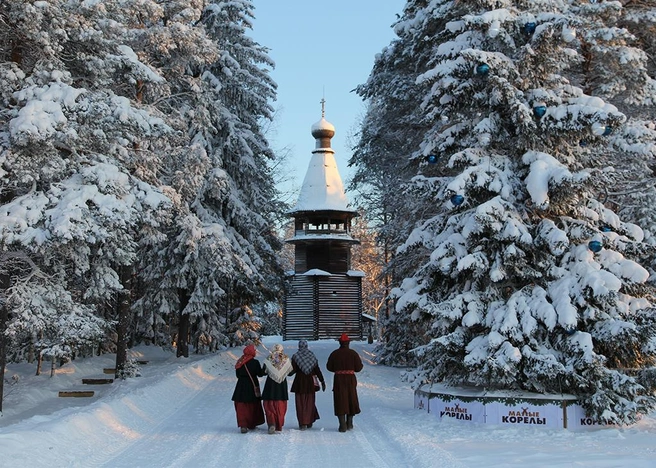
248, 406
277, 367
345, 362
305, 366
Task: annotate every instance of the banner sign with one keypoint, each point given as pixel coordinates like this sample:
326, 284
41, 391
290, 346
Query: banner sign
577, 419
471, 405
524, 414
471, 411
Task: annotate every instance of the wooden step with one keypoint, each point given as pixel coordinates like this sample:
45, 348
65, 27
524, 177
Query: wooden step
77, 393
97, 381
109, 370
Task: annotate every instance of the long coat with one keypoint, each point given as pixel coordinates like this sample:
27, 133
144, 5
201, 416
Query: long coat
304, 383
244, 391
275, 391
345, 394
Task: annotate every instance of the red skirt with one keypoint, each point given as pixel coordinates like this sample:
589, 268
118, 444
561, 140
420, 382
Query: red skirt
249, 414
306, 410
275, 413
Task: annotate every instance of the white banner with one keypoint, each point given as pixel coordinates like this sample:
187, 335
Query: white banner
524, 414
577, 419
471, 411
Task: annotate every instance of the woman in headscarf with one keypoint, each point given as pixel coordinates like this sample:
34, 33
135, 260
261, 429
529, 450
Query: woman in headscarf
305, 367
248, 403
277, 366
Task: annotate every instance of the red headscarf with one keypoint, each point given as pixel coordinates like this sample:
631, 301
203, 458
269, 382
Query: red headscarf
249, 353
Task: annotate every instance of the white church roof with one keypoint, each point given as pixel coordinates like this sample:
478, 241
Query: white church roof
322, 187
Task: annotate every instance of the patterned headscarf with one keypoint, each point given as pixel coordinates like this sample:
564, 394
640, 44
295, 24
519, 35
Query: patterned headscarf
277, 364
249, 353
304, 358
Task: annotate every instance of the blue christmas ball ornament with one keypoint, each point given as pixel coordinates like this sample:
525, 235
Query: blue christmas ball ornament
529, 28
595, 246
583, 143
431, 158
482, 69
608, 130
457, 199
539, 110
570, 331
606, 229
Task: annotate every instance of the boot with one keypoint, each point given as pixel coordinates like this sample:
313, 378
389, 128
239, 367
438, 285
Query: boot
349, 422
342, 422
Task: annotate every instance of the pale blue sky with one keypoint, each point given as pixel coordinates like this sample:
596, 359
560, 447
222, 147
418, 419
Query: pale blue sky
321, 48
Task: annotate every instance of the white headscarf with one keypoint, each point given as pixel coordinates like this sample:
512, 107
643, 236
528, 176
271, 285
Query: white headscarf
277, 364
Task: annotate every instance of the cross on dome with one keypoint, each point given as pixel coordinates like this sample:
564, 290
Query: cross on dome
323, 130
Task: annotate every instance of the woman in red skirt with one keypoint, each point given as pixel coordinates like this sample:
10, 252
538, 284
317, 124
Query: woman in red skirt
248, 404
306, 366
277, 366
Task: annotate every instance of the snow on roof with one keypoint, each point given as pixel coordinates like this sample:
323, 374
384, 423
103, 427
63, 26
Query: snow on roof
322, 188
323, 126
316, 272
355, 273
369, 317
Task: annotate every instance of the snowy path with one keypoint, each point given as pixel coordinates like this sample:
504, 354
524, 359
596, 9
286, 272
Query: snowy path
202, 431
179, 414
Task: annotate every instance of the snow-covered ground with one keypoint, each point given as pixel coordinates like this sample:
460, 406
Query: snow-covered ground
179, 413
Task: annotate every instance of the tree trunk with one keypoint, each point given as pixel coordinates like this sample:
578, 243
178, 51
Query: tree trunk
140, 90
123, 314
183, 324
17, 54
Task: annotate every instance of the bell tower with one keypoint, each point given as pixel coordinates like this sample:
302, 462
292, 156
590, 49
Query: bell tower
323, 298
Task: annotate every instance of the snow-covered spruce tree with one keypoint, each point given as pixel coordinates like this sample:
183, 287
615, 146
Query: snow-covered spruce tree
636, 195
615, 66
240, 82
244, 327
270, 315
220, 248
69, 201
528, 280
391, 129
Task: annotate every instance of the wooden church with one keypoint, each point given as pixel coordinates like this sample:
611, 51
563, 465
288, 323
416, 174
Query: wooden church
323, 296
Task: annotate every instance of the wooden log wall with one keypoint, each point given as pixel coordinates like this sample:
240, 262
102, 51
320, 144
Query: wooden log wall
298, 310
339, 306
323, 307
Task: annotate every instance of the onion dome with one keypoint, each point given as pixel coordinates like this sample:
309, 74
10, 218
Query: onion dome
323, 129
